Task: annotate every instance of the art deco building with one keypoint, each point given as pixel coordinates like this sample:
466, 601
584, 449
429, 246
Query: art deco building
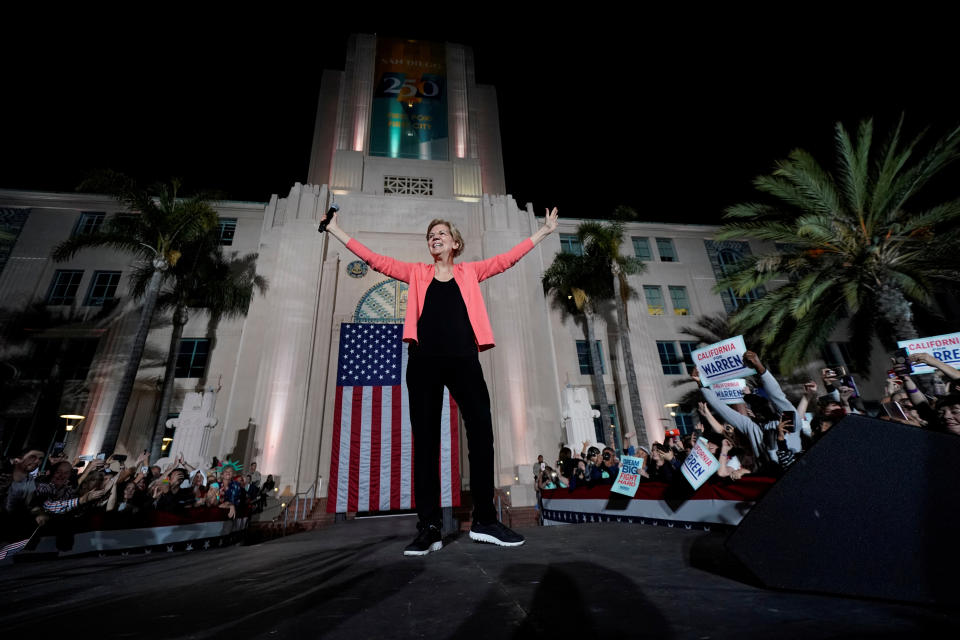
403, 135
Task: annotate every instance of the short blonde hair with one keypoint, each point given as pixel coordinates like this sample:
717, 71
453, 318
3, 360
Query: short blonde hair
454, 233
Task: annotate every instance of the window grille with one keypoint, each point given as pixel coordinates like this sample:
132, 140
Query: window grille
407, 186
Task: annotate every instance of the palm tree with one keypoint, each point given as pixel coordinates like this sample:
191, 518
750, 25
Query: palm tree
579, 284
203, 278
164, 224
602, 240
853, 242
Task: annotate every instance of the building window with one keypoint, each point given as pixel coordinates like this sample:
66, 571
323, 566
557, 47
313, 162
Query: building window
583, 357
684, 421
72, 355
570, 243
666, 250
686, 350
728, 258
654, 296
681, 303
192, 358
103, 288
407, 186
63, 289
226, 229
724, 256
669, 359
641, 249
89, 223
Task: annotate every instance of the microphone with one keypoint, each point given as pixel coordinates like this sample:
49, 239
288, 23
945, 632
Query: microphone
334, 207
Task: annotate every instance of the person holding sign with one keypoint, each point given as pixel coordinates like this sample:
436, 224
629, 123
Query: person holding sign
754, 426
948, 372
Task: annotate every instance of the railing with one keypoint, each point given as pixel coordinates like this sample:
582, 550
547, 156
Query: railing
296, 507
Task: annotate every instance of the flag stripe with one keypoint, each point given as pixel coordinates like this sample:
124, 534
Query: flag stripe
356, 420
335, 453
386, 429
454, 452
344, 458
444, 462
395, 470
373, 468
406, 443
363, 475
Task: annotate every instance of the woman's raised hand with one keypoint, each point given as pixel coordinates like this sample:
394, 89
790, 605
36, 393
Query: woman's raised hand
550, 220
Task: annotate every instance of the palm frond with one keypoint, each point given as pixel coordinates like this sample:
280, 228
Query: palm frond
854, 166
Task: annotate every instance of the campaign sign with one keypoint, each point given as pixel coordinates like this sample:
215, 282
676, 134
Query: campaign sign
699, 464
722, 361
629, 476
945, 348
730, 391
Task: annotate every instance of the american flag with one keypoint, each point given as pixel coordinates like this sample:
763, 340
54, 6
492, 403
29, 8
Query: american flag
371, 460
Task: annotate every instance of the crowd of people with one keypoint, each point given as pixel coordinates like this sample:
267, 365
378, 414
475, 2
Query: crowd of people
34, 494
766, 432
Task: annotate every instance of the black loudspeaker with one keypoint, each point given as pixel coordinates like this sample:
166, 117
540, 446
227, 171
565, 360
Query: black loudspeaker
872, 510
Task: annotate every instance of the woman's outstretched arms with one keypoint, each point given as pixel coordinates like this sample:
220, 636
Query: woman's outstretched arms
549, 226
334, 229
387, 266
499, 264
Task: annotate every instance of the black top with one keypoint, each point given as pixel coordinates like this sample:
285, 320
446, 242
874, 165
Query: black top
444, 326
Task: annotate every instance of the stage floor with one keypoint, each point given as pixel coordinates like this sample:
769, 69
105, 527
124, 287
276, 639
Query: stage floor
351, 581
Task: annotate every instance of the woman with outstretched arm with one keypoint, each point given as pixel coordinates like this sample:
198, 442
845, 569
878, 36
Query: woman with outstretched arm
446, 326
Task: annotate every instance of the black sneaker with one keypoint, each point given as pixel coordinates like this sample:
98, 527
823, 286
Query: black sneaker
429, 539
495, 533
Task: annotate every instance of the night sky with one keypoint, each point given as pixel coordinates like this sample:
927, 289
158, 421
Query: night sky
672, 118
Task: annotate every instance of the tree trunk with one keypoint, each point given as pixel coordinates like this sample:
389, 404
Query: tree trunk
639, 426
169, 382
897, 311
598, 384
133, 364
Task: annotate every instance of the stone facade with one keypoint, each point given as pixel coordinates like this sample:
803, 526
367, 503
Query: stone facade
273, 371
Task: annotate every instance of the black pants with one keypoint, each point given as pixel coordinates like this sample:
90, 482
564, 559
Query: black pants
426, 378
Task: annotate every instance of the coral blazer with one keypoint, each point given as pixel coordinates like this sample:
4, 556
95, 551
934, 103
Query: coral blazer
468, 275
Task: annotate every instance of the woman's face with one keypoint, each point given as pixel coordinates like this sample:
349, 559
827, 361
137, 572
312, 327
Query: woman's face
226, 475
197, 479
950, 415
440, 241
128, 492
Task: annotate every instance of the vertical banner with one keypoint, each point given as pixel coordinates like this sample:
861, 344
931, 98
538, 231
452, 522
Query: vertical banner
409, 116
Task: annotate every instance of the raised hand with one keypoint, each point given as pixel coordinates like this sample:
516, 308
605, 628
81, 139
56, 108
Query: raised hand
754, 360
550, 220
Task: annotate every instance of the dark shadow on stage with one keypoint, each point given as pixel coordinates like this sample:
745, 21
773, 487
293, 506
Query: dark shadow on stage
708, 552
569, 600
